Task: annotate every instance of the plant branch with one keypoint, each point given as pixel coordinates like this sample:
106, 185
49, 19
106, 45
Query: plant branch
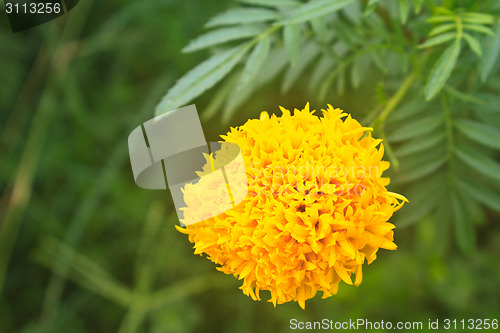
393, 102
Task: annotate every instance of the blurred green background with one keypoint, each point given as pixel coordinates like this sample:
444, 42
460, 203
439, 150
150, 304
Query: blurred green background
83, 249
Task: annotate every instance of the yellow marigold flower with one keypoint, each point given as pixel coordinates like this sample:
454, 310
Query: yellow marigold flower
317, 207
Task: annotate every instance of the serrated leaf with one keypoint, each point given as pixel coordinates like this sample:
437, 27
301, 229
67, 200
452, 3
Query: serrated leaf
417, 4
440, 39
442, 70
479, 162
442, 28
242, 16
291, 38
479, 28
492, 50
370, 7
478, 18
479, 132
416, 128
313, 9
272, 3
464, 229
419, 144
255, 61
404, 9
201, 78
473, 44
222, 35
480, 193
309, 52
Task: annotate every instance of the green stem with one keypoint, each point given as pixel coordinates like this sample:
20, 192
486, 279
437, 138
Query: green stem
394, 101
391, 105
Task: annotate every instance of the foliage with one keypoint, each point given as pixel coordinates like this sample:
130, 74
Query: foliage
435, 124
82, 249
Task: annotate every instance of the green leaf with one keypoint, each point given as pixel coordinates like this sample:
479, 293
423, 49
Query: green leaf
419, 144
223, 35
442, 70
291, 38
314, 9
378, 60
235, 100
423, 169
323, 67
479, 162
417, 4
415, 128
408, 109
479, 28
242, 16
473, 44
370, 7
200, 78
469, 98
217, 100
478, 18
255, 61
346, 33
404, 9
492, 47
272, 3
475, 210
442, 28
273, 65
443, 10
440, 39
423, 197
480, 193
491, 103
320, 27
309, 52
479, 132
359, 69
353, 12
464, 229
441, 18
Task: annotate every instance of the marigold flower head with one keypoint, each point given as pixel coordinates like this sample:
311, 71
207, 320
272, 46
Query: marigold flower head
317, 207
